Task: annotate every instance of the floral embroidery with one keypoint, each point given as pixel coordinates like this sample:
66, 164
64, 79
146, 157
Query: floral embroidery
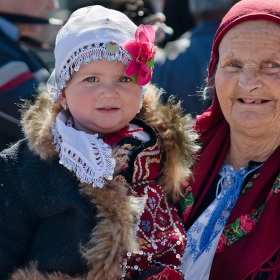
146, 225
144, 244
245, 223
160, 234
232, 232
162, 220
249, 184
241, 227
186, 202
152, 202
158, 228
221, 244
276, 186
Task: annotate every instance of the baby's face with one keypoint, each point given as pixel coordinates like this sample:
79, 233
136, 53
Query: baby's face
101, 98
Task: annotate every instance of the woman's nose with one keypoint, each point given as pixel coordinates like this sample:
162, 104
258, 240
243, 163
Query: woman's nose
249, 79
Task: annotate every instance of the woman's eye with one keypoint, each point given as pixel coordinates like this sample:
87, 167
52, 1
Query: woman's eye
270, 68
124, 79
271, 65
233, 64
92, 79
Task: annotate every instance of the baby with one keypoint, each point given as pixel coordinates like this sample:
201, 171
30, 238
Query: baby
95, 181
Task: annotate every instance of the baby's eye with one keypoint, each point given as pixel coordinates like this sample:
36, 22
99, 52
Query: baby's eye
92, 79
124, 79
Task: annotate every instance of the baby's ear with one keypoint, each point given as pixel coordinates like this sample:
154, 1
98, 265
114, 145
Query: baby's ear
62, 99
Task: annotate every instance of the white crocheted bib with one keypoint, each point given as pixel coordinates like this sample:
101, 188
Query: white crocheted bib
84, 154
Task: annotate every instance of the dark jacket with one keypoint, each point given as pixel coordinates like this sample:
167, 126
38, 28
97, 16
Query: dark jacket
47, 216
43, 216
19, 80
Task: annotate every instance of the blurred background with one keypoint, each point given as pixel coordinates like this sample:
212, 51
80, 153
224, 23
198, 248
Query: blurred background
170, 18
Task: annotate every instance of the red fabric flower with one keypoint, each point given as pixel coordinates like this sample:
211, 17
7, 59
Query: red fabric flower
143, 51
187, 212
221, 244
246, 223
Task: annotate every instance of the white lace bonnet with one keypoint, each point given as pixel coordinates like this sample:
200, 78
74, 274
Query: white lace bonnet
90, 33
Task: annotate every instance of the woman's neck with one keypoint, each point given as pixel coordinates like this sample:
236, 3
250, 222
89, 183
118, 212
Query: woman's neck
244, 148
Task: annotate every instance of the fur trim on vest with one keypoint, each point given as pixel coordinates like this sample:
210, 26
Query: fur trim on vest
114, 234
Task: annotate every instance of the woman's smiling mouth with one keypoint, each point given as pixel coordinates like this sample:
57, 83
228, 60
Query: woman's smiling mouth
252, 101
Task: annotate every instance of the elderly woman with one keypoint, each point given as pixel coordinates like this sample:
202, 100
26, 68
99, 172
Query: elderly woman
232, 206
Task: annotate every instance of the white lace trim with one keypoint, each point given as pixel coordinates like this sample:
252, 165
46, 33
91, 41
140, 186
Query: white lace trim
84, 154
85, 55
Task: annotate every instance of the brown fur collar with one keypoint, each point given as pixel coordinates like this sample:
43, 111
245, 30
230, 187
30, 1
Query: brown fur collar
114, 234
174, 129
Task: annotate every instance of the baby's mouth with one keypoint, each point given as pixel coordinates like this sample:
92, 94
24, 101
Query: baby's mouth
108, 109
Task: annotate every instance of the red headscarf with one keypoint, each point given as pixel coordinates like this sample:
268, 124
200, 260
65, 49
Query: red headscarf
249, 253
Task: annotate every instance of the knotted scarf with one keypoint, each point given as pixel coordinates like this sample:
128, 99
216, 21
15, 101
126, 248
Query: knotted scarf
251, 238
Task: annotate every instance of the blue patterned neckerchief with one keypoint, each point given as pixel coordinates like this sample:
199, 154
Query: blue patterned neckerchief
227, 193
206, 230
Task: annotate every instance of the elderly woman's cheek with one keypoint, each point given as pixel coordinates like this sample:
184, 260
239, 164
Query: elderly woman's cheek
225, 89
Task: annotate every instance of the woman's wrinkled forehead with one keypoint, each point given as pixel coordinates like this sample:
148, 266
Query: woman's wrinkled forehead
259, 35
243, 11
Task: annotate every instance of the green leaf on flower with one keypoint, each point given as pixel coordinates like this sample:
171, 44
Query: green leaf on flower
150, 63
134, 78
187, 198
248, 186
235, 227
184, 203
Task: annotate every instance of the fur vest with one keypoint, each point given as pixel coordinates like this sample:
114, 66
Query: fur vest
104, 254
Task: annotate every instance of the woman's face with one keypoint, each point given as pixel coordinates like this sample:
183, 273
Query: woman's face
248, 77
101, 98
